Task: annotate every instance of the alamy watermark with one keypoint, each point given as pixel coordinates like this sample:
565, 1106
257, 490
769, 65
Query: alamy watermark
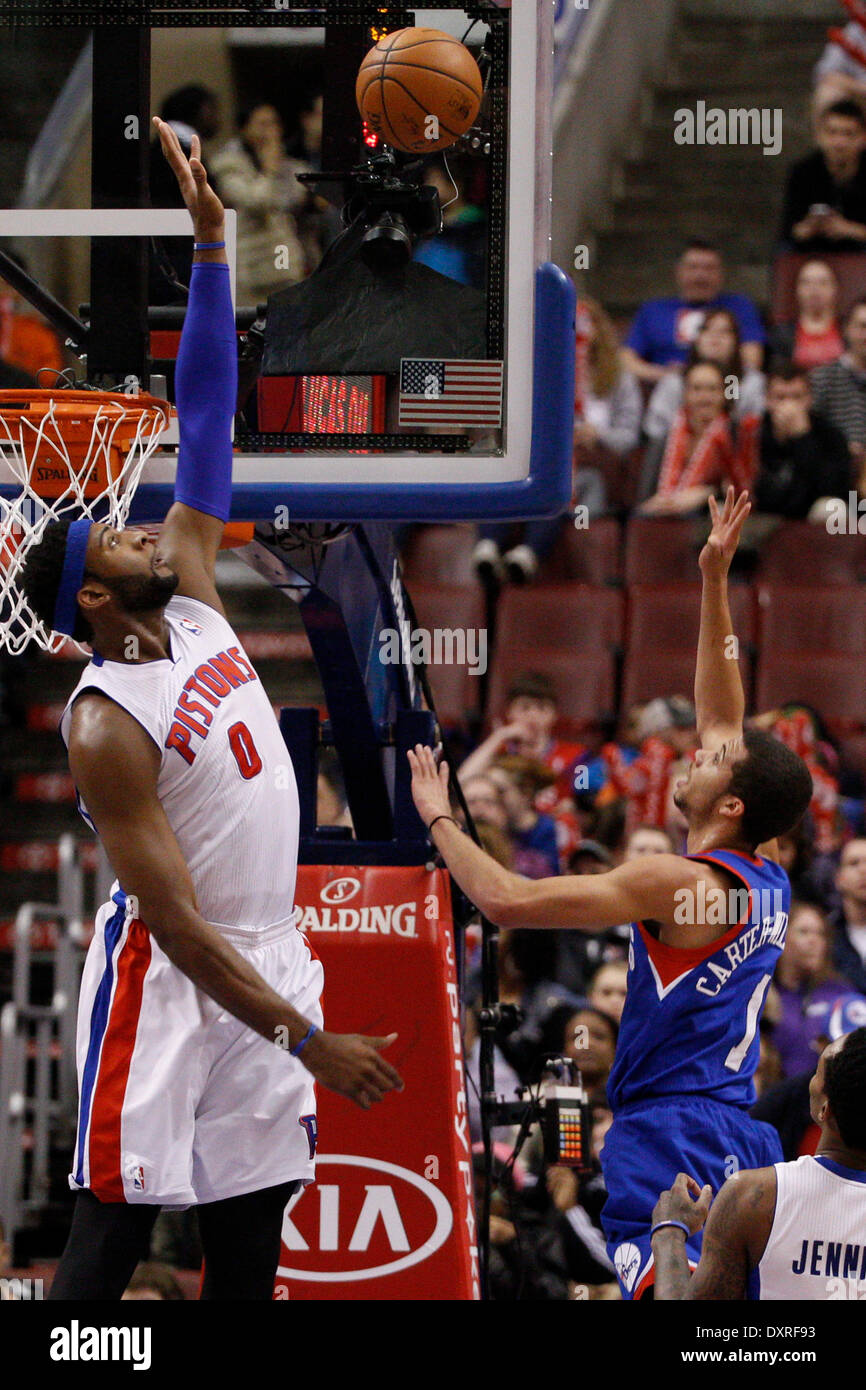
83, 1343
845, 517
438, 646
713, 125
719, 907
16, 1290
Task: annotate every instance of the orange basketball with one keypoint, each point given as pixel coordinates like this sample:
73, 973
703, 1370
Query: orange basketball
419, 89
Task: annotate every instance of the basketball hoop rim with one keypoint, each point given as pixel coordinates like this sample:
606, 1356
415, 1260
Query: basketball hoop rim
92, 444
88, 402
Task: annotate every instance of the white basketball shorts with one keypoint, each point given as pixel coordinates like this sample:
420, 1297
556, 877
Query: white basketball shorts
179, 1102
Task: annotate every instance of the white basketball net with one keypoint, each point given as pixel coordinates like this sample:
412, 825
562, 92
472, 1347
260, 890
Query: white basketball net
96, 478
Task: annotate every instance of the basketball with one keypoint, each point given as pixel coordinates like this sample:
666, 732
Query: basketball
419, 89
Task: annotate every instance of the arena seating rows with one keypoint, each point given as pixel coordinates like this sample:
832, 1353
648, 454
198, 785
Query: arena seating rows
624, 626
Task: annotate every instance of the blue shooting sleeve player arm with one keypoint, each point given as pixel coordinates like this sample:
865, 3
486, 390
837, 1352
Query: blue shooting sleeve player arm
206, 387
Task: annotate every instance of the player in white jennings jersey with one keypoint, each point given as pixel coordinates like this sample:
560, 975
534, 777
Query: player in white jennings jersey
796, 1231
200, 1028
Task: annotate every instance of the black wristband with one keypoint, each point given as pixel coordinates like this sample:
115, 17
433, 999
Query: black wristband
442, 817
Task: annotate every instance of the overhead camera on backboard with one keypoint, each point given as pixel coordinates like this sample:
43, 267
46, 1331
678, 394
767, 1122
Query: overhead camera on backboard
386, 210
416, 110
369, 304
420, 92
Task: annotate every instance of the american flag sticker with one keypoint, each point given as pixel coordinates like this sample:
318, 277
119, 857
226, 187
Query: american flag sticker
450, 393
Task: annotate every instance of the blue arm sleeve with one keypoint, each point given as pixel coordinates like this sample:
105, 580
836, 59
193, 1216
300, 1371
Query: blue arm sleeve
206, 386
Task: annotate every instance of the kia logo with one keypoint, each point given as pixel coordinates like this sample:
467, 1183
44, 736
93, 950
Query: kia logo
371, 1219
340, 890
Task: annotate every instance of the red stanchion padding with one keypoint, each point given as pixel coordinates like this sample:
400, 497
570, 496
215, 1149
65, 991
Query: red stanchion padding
391, 1214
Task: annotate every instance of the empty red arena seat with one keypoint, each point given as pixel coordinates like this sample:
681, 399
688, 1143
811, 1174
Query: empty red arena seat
800, 618
800, 553
586, 556
663, 550
668, 617
649, 674
440, 555
447, 606
573, 617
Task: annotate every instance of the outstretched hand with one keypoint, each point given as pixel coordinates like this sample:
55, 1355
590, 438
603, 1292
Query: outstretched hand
716, 556
429, 784
686, 1201
205, 208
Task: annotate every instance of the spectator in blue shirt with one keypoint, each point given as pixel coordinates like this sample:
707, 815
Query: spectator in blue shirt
664, 329
536, 851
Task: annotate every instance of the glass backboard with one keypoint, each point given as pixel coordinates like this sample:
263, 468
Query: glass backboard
412, 372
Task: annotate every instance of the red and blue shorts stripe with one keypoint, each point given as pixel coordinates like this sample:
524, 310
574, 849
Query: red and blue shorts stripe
105, 1075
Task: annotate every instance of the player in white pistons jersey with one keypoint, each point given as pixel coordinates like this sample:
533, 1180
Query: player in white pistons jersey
796, 1231
199, 1026
208, 714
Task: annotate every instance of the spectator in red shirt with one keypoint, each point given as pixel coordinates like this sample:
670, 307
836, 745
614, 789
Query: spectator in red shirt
669, 734
815, 336
799, 727
703, 450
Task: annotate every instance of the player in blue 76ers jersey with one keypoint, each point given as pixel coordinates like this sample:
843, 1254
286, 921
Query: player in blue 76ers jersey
707, 931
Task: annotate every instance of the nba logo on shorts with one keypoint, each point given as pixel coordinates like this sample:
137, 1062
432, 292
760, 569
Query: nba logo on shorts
135, 1174
627, 1263
191, 626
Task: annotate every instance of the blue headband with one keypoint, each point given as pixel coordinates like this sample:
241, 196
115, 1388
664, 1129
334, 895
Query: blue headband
66, 605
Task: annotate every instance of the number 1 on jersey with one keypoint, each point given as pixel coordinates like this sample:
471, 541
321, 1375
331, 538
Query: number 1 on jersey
735, 1057
245, 752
